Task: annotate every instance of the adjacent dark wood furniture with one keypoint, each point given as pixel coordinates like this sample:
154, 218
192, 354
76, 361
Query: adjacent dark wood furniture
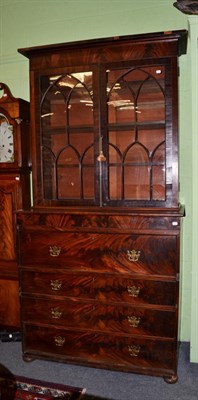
99, 250
187, 6
14, 194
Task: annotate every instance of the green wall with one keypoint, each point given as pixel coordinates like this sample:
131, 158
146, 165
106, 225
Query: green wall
26, 23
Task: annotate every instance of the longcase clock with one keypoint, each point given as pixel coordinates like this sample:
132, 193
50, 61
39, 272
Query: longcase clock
14, 194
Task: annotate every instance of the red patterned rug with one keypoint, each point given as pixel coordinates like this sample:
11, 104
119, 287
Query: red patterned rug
30, 389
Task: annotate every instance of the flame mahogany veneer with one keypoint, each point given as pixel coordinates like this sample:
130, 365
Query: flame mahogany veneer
99, 250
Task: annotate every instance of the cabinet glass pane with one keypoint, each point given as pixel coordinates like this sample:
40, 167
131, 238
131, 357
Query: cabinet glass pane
136, 133
67, 136
158, 172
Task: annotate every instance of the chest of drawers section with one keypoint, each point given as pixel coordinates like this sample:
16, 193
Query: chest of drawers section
100, 290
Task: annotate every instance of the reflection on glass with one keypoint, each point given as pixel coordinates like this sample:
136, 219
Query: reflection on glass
137, 183
115, 187
136, 133
88, 173
158, 173
49, 173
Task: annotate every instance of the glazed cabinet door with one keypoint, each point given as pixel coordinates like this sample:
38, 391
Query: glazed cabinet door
107, 135
69, 136
138, 142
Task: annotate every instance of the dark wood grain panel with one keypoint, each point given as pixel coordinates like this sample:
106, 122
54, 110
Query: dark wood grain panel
93, 219
102, 252
107, 49
12, 196
7, 239
110, 52
99, 316
97, 349
9, 304
101, 287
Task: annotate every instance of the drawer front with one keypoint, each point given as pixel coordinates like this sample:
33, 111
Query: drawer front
99, 287
100, 219
120, 253
100, 317
105, 350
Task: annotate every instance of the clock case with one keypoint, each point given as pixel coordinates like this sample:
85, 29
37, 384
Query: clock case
14, 195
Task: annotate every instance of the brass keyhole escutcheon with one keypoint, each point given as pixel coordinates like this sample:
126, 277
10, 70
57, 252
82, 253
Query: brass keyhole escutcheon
133, 321
56, 284
133, 291
133, 255
134, 350
54, 251
59, 341
56, 313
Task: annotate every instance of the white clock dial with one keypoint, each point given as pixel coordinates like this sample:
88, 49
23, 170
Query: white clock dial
6, 140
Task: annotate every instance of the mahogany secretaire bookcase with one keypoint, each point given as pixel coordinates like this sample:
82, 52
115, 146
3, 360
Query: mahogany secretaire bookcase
99, 250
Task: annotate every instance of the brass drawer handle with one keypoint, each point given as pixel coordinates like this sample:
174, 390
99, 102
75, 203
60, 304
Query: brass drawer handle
133, 291
134, 350
56, 313
133, 255
133, 321
56, 284
54, 251
59, 341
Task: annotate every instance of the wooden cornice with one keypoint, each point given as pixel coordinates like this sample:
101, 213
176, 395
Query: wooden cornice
187, 6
